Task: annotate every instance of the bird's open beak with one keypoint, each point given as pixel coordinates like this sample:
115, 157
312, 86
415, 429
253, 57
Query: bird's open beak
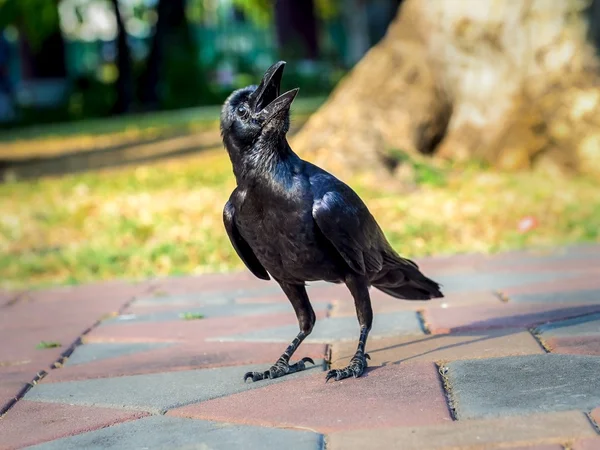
266, 100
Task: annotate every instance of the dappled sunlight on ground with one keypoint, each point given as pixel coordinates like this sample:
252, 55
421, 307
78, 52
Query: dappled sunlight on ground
166, 218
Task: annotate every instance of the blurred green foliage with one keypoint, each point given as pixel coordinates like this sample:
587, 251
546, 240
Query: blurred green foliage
37, 18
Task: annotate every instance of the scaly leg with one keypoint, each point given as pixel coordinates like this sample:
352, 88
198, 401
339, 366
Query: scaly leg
296, 293
359, 288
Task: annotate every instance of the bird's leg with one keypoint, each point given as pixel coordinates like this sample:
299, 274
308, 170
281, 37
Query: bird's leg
306, 320
359, 289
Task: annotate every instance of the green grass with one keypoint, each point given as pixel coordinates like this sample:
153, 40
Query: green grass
155, 120
48, 344
166, 218
191, 316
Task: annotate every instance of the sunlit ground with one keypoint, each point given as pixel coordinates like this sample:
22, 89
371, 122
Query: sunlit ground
166, 218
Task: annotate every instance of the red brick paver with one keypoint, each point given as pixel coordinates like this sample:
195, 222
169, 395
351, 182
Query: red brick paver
406, 395
31, 423
199, 355
440, 320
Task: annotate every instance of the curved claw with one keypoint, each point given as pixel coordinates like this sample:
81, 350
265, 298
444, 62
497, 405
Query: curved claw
332, 374
307, 359
256, 376
367, 356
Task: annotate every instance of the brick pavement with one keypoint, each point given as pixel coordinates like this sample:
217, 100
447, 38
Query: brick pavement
508, 359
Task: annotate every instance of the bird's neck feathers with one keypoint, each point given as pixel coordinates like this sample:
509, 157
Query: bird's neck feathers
269, 158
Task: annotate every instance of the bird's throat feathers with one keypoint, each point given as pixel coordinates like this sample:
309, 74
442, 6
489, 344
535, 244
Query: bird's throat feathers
266, 160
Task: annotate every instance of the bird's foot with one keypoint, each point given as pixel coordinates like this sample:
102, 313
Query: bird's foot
355, 369
279, 369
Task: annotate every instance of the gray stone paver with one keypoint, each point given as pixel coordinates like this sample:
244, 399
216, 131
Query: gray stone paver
104, 350
160, 432
334, 329
579, 326
479, 281
580, 297
521, 385
157, 392
246, 309
208, 298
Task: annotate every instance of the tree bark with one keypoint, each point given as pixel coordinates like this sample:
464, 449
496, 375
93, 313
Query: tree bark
296, 26
511, 82
173, 77
124, 83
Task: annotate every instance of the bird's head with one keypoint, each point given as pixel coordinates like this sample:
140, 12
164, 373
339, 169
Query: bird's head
257, 112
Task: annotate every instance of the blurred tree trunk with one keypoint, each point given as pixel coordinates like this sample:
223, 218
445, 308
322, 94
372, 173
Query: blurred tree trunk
125, 79
41, 43
511, 82
297, 33
173, 77
357, 25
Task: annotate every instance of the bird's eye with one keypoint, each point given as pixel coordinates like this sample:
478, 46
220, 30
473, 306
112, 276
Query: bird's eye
242, 111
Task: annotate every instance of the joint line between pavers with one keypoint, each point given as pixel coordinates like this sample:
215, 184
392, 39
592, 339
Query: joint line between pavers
595, 424
61, 359
450, 401
538, 338
501, 296
41, 374
16, 299
423, 322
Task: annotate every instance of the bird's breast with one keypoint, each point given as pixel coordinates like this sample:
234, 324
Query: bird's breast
285, 240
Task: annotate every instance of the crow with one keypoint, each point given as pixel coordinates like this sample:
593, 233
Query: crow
293, 221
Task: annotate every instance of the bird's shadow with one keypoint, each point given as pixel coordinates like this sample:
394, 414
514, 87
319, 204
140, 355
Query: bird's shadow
480, 331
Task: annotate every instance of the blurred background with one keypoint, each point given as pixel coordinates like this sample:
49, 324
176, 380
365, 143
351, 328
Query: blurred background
466, 125
73, 59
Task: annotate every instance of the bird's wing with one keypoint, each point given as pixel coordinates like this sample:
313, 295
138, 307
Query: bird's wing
346, 222
241, 246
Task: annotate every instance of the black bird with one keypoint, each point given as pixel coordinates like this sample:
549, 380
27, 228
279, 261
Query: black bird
290, 219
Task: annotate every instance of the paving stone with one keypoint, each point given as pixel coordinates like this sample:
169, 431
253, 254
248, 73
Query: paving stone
29, 423
15, 377
209, 283
206, 298
470, 345
478, 281
577, 296
471, 434
587, 444
160, 432
504, 315
7, 297
588, 325
537, 447
186, 356
210, 311
579, 335
318, 294
383, 303
571, 264
519, 385
99, 351
113, 292
336, 329
156, 392
187, 330
405, 395
573, 346
583, 282
56, 315
595, 415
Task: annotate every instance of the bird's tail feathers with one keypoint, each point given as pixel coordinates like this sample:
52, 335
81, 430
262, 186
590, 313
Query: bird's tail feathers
407, 282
